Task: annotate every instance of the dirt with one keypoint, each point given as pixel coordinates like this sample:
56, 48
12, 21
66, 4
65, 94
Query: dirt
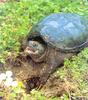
23, 70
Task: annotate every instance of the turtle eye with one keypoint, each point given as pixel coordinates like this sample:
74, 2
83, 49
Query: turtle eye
34, 45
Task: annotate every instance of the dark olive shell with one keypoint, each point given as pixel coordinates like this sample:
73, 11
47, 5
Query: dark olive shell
64, 31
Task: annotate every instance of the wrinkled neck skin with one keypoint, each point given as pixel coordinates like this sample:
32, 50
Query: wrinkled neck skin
39, 57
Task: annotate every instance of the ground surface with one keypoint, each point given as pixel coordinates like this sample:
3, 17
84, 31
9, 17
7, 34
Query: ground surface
70, 80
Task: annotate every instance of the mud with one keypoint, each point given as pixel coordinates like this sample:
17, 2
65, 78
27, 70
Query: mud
25, 70
31, 73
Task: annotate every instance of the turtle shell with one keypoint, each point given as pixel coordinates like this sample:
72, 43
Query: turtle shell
64, 31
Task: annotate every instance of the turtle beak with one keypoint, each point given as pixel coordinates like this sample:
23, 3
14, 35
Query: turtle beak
30, 50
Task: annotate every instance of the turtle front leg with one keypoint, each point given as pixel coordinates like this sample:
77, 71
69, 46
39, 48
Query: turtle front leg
49, 67
54, 60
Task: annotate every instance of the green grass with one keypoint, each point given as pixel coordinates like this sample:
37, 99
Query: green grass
16, 20
75, 71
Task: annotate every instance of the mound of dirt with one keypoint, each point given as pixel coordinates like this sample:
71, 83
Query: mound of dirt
23, 70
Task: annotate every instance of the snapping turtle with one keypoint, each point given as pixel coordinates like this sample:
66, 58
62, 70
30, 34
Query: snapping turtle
56, 37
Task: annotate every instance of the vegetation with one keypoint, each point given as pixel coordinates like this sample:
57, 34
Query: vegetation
16, 20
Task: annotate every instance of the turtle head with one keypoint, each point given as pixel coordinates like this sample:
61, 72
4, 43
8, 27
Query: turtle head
34, 49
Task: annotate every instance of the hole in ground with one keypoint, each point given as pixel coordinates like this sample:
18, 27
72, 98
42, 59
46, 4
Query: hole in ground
32, 83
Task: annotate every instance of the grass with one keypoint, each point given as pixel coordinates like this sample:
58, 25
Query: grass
16, 20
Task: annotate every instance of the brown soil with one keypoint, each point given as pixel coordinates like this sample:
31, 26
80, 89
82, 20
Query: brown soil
23, 71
